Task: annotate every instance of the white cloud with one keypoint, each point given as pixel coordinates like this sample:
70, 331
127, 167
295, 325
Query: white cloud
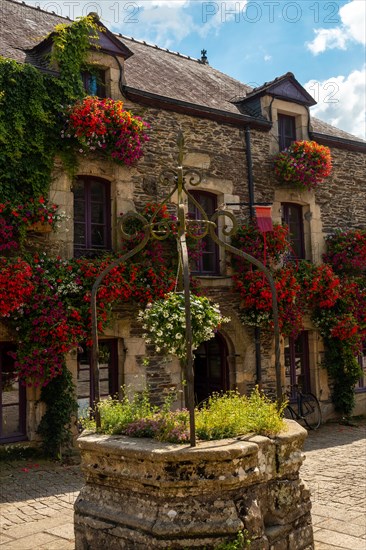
327, 39
267, 58
341, 101
353, 17
352, 28
166, 24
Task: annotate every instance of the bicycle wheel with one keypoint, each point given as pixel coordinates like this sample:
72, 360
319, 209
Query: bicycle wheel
310, 411
289, 413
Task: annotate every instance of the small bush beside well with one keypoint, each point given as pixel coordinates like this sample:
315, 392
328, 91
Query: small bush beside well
222, 416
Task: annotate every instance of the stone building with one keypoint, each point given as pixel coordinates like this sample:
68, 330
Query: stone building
231, 133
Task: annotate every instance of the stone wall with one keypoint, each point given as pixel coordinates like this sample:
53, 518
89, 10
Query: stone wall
144, 494
342, 198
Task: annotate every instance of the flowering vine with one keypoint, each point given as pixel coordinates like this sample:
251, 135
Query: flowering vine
16, 285
346, 251
16, 219
304, 163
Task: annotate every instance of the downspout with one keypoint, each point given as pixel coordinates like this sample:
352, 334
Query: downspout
257, 330
121, 80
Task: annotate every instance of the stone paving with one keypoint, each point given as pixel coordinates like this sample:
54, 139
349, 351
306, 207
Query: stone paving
36, 505
36, 498
335, 470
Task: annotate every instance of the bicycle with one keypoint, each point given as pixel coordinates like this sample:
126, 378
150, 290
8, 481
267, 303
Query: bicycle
308, 409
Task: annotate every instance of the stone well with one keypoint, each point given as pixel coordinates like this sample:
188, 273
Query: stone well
142, 494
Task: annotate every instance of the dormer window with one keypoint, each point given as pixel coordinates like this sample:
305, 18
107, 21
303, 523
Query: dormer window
94, 82
286, 131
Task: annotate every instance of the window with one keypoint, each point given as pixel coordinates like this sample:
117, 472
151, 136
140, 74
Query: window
286, 131
297, 369
361, 386
208, 263
293, 218
92, 216
94, 82
12, 398
108, 374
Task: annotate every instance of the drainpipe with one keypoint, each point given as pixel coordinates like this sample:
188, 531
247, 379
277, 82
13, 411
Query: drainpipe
257, 330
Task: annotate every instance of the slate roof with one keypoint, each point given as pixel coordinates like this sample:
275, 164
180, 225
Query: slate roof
151, 69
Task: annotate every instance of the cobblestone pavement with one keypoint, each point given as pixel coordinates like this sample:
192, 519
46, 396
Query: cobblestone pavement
36, 498
36, 505
335, 471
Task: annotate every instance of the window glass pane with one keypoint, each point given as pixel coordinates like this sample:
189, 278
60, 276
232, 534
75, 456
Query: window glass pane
11, 418
208, 262
292, 216
78, 189
97, 213
286, 130
11, 394
83, 382
92, 85
362, 362
97, 191
79, 234
79, 210
97, 236
91, 215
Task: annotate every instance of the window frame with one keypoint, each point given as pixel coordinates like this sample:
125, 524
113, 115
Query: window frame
215, 249
21, 434
361, 384
291, 357
88, 248
100, 75
112, 373
285, 217
285, 138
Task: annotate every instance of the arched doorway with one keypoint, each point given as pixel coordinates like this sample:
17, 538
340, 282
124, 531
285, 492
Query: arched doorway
211, 373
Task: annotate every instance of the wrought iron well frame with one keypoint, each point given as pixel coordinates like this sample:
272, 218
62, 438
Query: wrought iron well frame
161, 230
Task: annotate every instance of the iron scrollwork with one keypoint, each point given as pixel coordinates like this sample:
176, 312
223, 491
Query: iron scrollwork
181, 228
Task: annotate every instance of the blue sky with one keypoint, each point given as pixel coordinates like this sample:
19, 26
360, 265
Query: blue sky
322, 42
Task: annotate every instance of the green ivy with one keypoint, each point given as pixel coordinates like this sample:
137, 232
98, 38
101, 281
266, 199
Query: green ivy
71, 44
29, 130
55, 426
30, 105
30, 127
343, 367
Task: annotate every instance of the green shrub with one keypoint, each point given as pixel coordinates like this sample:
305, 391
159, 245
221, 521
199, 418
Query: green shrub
117, 414
223, 415
231, 414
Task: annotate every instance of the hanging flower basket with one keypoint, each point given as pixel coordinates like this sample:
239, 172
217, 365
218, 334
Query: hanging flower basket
95, 124
305, 164
165, 323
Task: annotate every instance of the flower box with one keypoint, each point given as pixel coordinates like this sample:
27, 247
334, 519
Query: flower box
40, 227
